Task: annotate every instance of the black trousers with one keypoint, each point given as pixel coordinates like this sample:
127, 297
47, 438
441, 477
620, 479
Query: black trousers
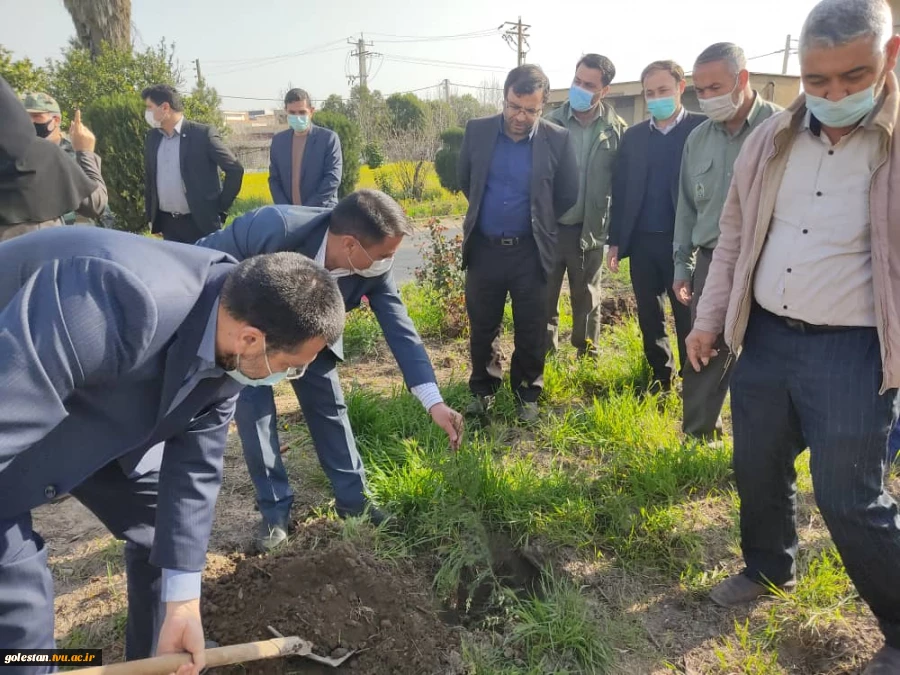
181, 228
792, 390
495, 271
652, 275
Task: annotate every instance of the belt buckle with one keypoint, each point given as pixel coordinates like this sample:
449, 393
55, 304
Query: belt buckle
507, 241
174, 214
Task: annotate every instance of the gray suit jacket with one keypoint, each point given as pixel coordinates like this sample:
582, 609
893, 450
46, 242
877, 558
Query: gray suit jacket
554, 179
98, 331
303, 229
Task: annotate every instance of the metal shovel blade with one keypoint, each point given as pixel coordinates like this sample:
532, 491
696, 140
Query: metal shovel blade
308, 654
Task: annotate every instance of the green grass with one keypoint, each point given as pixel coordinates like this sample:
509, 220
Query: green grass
605, 473
554, 633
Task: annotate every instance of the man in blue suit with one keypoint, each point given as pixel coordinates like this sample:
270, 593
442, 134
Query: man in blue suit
356, 242
305, 161
120, 359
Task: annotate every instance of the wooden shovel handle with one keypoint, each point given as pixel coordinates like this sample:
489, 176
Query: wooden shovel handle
220, 656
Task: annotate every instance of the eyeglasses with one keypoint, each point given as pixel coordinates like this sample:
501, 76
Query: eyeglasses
295, 373
516, 110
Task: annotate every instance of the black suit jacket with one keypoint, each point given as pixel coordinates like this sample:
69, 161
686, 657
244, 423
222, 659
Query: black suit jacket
554, 179
202, 155
630, 179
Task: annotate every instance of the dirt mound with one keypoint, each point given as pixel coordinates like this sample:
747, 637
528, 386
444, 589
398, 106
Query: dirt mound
339, 597
616, 308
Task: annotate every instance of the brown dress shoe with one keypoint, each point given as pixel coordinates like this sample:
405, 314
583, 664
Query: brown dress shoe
741, 590
885, 662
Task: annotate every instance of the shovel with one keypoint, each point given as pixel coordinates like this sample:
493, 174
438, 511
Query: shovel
220, 656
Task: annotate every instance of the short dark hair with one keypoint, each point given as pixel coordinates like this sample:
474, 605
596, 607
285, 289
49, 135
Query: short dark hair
668, 66
370, 216
164, 93
527, 79
297, 96
601, 63
288, 297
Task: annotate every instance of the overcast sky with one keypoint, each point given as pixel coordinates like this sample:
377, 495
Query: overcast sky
256, 48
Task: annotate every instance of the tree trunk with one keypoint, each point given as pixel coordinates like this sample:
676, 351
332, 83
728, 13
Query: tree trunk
99, 21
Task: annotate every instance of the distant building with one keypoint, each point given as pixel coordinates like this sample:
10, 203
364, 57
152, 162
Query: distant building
628, 97
251, 135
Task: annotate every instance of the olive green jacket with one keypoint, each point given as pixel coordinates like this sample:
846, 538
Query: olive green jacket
601, 164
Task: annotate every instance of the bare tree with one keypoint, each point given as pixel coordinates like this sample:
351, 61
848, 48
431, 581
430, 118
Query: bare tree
412, 152
490, 93
99, 21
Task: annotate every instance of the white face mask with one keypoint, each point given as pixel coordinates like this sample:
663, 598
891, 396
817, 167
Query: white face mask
151, 120
722, 108
377, 268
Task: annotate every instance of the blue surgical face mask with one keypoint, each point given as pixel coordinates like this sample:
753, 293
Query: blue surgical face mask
299, 123
271, 379
662, 108
844, 113
580, 99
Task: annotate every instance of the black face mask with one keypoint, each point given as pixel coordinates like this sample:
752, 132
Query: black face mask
43, 129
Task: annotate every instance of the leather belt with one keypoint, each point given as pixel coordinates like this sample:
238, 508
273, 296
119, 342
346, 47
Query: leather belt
507, 241
799, 326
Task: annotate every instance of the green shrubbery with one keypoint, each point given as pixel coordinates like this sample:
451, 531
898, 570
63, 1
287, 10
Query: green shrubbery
351, 146
117, 122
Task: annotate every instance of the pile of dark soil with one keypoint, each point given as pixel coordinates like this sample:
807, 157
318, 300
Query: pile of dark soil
338, 596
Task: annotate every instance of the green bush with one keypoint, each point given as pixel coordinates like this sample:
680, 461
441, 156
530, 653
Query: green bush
118, 122
351, 146
373, 156
447, 158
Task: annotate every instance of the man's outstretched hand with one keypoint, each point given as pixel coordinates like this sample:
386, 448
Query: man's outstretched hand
450, 421
182, 631
700, 350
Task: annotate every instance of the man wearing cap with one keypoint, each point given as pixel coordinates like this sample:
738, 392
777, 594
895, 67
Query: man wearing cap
47, 120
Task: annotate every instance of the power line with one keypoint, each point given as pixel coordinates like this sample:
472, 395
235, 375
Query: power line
444, 64
413, 91
474, 86
274, 56
271, 61
401, 39
438, 37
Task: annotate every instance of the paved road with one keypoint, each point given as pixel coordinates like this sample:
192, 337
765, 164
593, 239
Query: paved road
408, 257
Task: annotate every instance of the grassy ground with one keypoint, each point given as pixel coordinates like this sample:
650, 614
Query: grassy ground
584, 544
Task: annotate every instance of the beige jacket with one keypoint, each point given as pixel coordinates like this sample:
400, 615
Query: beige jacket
728, 295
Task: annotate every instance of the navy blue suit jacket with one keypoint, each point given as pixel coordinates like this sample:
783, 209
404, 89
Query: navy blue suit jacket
630, 179
302, 229
320, 172
97, 331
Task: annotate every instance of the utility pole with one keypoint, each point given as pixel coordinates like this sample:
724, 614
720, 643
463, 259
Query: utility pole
517, 33
362, 54
199, 75
447, 90
787, 55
